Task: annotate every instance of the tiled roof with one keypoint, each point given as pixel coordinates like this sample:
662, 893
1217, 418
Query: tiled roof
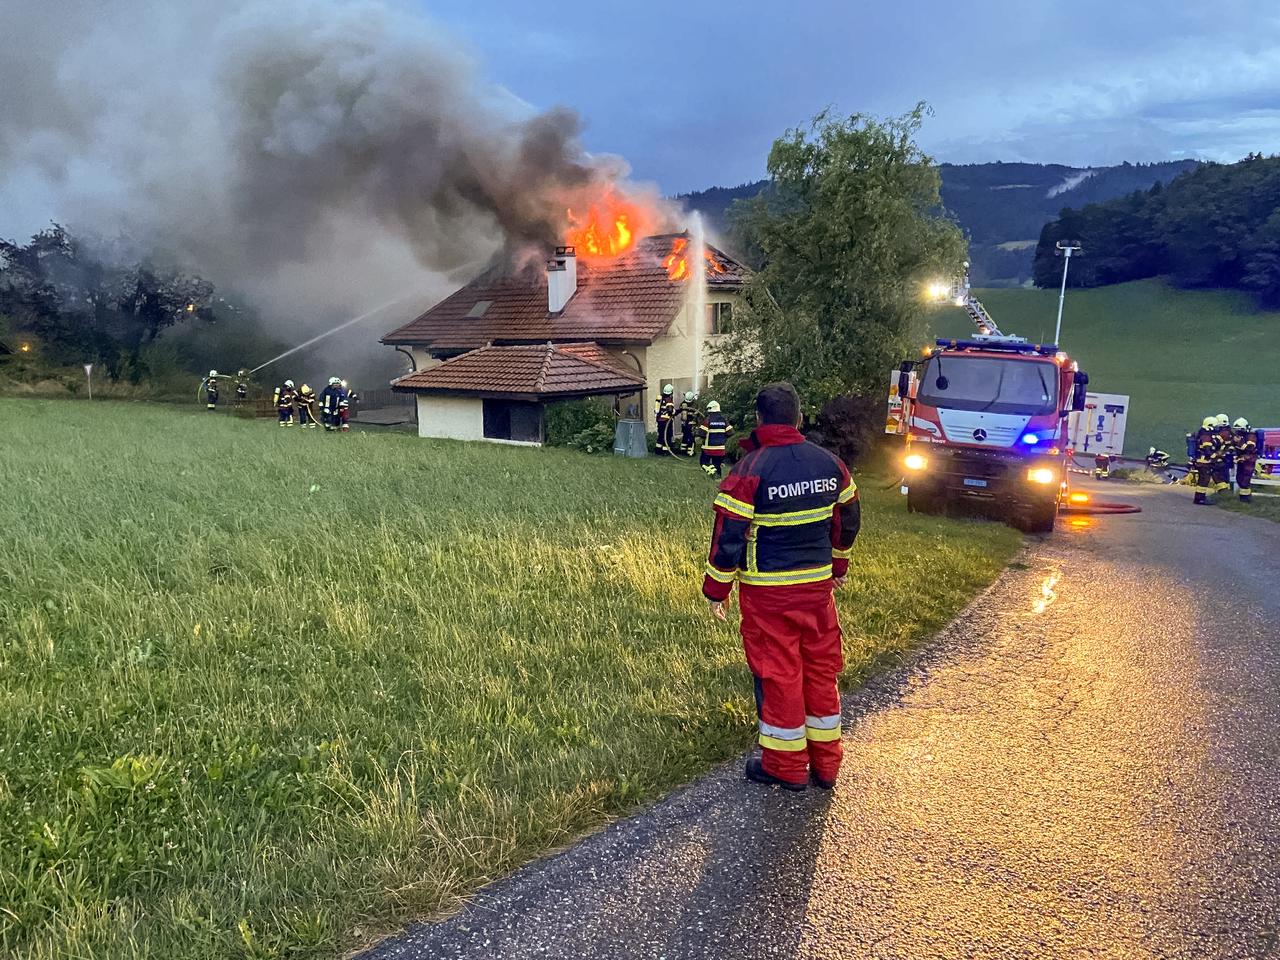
627, 300
535, 372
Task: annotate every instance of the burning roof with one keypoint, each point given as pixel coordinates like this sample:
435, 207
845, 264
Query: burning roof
630, 298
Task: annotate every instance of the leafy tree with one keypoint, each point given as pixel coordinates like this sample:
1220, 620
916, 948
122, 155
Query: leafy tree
846, 235
83, 308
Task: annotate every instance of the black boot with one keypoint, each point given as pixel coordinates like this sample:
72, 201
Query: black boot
756, 773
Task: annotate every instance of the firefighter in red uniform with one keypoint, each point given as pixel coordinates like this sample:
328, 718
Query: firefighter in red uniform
1246, 450
786, 519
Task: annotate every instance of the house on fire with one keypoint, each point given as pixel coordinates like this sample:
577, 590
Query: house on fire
488, 358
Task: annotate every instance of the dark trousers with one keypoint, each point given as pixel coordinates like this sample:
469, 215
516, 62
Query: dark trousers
1244, 479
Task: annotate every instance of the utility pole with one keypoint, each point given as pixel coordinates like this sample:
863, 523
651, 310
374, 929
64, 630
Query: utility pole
1065, 250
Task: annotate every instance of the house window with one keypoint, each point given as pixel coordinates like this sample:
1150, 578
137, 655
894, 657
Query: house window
719, 318
512, 420
479, 309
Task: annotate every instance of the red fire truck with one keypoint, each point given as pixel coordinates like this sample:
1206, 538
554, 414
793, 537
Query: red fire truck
985, 420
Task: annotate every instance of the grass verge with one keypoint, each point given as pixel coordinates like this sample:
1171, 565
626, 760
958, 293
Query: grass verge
265, 693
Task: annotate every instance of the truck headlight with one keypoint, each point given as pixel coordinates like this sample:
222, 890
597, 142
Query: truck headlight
1042, 475
915, 461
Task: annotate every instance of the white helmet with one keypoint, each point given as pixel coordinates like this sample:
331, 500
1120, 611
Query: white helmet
334, 381
713, 406
213, 373
1208, 423
288, 383
1241, 424
1222, 420
688, 395
668, 390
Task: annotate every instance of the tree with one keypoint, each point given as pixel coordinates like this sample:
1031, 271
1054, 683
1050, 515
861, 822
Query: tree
846, 236
82, 308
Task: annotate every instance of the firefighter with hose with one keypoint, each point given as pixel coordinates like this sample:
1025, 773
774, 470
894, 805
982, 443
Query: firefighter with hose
1246, 451
665, 413
715, 435
785, 520
688, 421
242, 387
211, 391
1205, 448
306, 407
333, 400
1226, 445
285, 397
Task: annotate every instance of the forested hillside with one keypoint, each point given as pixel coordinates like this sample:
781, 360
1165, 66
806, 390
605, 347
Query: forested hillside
1216, 227
1001, 206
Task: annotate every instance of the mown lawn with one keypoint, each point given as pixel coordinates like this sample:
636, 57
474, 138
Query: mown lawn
266, 693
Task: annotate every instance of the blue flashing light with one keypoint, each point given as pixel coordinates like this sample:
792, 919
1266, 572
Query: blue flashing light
1030, 439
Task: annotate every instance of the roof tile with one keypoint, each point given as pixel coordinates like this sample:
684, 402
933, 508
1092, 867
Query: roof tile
541, 371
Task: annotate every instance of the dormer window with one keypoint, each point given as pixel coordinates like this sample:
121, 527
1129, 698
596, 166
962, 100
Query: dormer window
479, 309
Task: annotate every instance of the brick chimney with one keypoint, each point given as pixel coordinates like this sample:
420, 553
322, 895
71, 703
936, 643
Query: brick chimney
562, 278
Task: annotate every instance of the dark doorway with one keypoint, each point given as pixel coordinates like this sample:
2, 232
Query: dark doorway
513, 420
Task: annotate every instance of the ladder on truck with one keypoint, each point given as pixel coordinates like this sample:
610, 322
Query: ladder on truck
963, 297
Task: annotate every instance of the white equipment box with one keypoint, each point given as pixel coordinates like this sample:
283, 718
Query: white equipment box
1099, 427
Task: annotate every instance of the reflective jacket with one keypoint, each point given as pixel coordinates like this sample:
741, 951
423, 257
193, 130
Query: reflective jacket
786, 515
1206, 447
285, 396
715, 433
242, 390
333, 398
665, 409
1246, 448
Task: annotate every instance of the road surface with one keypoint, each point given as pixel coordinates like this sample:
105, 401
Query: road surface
1086, 764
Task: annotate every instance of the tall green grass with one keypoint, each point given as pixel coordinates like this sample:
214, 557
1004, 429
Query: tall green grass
268, 692
1181, 355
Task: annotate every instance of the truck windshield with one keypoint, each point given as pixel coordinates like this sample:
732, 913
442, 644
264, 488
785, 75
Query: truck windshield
990, 384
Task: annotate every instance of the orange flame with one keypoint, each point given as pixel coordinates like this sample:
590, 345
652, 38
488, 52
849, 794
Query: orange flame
677, 263
607, 227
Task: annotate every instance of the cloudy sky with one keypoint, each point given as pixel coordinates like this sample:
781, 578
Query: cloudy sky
693, 94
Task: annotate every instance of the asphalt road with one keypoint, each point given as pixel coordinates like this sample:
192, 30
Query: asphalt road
1086, 764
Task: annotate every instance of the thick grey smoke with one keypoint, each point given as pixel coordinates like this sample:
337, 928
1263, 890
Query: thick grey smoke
318, 155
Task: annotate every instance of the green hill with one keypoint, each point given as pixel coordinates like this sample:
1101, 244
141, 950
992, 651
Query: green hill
1180, 355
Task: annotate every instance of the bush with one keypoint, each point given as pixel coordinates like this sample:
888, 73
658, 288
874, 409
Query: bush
579, 423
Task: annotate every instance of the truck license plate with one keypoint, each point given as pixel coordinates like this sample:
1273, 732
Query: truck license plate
970, 482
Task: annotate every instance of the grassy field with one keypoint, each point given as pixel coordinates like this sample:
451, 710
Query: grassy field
1180, 355
266, 693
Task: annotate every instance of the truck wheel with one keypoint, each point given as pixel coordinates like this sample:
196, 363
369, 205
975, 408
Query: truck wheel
1040, 519
923, 500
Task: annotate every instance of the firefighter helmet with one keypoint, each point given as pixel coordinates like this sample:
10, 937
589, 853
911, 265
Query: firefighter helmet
288, 383
334, 381
668, 390
305, 389
1241, 424
1222, 420
213, 373
713, 406
688, 395
1208, 423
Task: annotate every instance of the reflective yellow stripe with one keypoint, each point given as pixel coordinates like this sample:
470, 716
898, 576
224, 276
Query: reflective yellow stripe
788, 746
841, 554
720, 576
744, 510
849, 492
786, 577
821, 736
793, 519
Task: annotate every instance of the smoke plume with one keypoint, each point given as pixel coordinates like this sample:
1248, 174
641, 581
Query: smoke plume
317, 155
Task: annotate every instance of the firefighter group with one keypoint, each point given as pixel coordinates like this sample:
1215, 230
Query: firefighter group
1222, 453
294, 405
709, 431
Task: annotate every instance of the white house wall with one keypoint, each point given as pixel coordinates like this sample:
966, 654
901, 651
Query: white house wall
670, 357
450, 418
